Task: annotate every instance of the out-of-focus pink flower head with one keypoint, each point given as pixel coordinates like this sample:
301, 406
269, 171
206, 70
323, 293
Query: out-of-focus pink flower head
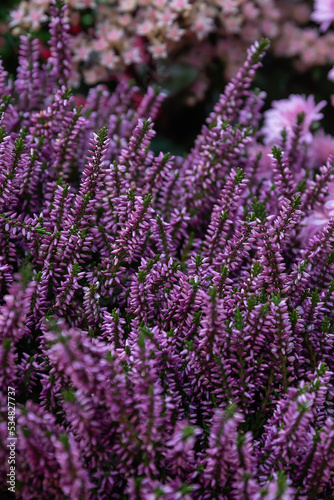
330, 75
318, 218
17, 16
323, 13
320, 149
283, 115
265, 168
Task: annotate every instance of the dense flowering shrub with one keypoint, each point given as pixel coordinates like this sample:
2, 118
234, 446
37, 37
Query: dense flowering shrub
166, 322
154, 38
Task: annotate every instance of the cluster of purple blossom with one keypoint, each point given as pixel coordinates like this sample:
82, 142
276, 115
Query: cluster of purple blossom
130, 34
167, 322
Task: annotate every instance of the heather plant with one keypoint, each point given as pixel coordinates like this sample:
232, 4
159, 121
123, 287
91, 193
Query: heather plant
166, 322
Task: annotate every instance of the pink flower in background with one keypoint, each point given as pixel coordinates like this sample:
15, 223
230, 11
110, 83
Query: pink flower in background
36, 17
175, 33
180, 5
145, 28
318, 218
114, 35
158, 50
127, 5
124, 20
165, 18
109, 59
99, 45
265, 168
95, 74
17, 16
230, 7
323, 13
250, 11
283, 115
82, 53
203, 25
320, 149
331, 75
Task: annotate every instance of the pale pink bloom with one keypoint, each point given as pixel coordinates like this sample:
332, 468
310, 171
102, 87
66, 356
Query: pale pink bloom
250, 11
202, 26
109, 59
125, 20
144, 28
43, 3
323, 13
161, 4
17, 16
286, 43
82, 4
87, 4
94, 74
166, 18
230, 7
132, 56
283, 115
158, 50
175, 33
309, 35
311, 56
320, 149
100, 44
251, 32
82, 53
114, 35
36, 17
104, 27
270, 29
301, 13
322, 49
233, 24
151, 15
127, 5
318, 218
180, 5
297, 46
